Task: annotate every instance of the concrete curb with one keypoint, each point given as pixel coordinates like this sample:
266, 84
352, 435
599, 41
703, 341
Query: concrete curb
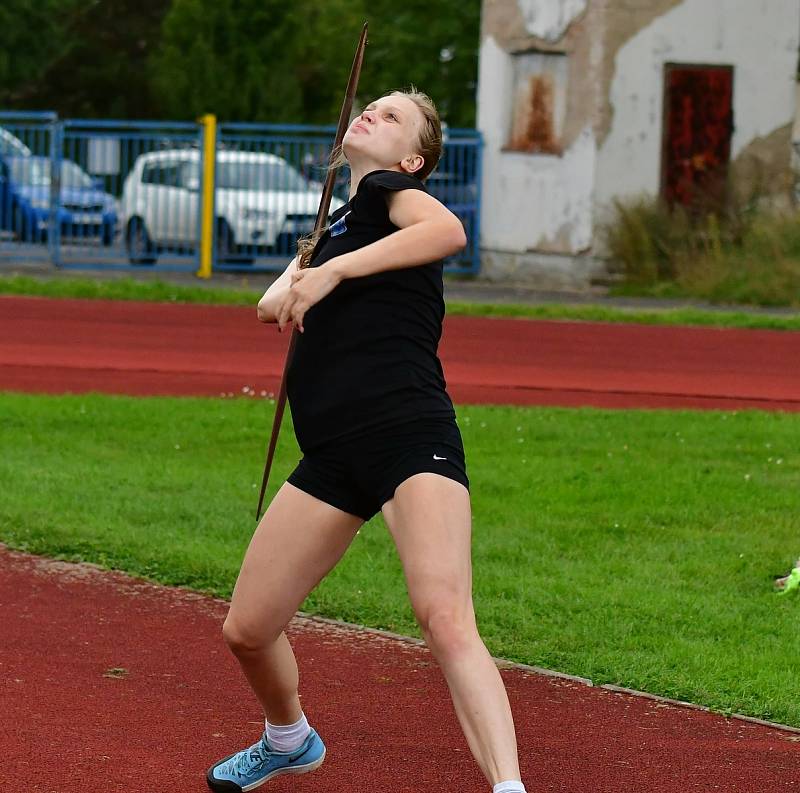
502, 663
469, 290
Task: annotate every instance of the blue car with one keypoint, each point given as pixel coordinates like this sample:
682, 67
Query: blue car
84, 211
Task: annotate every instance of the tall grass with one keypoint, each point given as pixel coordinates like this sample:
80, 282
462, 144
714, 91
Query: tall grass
739, 251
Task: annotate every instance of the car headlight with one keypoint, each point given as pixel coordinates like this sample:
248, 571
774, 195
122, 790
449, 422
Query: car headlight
257, 214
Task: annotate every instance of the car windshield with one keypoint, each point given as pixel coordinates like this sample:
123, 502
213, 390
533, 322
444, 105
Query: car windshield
35, 171
259, 176
10, 145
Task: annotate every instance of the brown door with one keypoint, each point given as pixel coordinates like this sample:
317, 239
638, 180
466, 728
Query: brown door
698, 124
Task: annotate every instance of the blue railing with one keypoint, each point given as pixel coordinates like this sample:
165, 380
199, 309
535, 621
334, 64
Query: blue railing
87, 193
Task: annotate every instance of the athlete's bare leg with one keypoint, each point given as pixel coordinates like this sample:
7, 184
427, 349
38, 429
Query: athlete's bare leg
297, 542
430, 521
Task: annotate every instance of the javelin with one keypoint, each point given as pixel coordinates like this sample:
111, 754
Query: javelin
322, 217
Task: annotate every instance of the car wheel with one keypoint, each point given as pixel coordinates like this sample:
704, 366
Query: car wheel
225, 247
108, 235
140, 246
21, 225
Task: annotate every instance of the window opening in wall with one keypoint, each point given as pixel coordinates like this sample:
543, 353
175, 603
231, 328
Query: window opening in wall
539, 102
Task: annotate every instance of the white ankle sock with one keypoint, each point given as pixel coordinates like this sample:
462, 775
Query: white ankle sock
512, 786
288, 737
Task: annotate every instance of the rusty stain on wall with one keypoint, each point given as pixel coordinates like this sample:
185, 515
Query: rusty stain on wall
538, 103
594, 96
534, 117
591, 41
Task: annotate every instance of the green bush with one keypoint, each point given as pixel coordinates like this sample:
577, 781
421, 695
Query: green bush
739, 252
644, 237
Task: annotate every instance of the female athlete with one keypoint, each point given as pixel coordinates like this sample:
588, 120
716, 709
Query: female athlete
378, 434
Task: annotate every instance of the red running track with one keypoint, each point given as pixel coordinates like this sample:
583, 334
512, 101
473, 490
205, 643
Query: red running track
57, 346
69, 723
113, 685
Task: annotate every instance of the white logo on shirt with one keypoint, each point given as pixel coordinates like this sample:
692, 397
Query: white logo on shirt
340, 226
438, 458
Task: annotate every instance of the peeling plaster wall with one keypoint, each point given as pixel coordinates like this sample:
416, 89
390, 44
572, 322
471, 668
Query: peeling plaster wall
546, 201
504, 23
609, 129
538, 202
549, 19
796, 125
796, 133
758, 37
623, 20
764, 167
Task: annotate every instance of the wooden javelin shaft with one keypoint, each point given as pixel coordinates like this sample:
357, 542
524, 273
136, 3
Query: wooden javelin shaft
322, 217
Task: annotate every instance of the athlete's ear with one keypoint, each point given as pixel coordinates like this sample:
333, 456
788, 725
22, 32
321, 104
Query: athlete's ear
412, 163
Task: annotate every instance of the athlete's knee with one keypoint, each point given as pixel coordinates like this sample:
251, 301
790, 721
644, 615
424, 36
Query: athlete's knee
449, 630
245, 637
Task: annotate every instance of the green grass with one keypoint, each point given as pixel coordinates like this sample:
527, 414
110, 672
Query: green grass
161, 291
635, 548
734, 252
126, 289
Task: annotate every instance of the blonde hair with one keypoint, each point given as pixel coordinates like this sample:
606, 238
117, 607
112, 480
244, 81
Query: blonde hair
429, 147
429, 140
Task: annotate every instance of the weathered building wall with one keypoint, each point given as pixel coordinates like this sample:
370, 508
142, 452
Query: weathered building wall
759, 38
536, 107
795, 135
570, 103
538, 213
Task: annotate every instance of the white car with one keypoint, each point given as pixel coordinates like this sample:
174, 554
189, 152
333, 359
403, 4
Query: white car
262, 204
11, 145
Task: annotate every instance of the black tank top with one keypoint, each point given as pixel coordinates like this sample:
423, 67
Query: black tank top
367, 358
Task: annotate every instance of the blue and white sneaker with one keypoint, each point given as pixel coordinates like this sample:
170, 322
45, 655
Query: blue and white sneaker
252, 767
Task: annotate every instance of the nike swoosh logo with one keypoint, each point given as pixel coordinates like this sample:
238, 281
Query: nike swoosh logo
438, 458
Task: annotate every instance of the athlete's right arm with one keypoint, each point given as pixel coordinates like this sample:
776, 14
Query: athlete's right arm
267, 306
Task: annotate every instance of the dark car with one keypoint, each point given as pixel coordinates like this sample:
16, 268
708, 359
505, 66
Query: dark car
84, 209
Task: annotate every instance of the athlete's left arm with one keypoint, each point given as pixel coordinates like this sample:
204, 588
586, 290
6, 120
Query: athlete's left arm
427, 231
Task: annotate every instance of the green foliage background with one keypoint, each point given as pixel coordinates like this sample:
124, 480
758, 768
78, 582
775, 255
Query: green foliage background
245, 60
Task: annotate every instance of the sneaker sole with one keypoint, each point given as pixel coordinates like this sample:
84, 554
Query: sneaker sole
220, 786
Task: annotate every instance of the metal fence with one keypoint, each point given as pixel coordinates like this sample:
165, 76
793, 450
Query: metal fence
25, 212
115, 194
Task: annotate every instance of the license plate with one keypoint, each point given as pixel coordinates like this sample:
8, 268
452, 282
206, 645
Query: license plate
86, 217
298, 226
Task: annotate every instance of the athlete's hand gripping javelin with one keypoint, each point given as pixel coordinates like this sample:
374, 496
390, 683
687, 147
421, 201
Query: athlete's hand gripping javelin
308, 287
426, 231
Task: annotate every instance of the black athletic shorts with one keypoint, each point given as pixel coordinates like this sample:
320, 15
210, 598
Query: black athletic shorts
360, 475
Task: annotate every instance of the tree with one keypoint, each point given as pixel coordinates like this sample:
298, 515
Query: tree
229, 57
31, 37
245, 60
279, 62
432, 44
95, 65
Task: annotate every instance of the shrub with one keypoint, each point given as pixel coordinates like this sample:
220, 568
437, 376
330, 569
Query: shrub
740, 250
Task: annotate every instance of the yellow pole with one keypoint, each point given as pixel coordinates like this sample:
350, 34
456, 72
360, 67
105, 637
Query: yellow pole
209, 122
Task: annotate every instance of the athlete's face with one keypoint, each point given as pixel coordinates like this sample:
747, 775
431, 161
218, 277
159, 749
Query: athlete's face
385, 135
